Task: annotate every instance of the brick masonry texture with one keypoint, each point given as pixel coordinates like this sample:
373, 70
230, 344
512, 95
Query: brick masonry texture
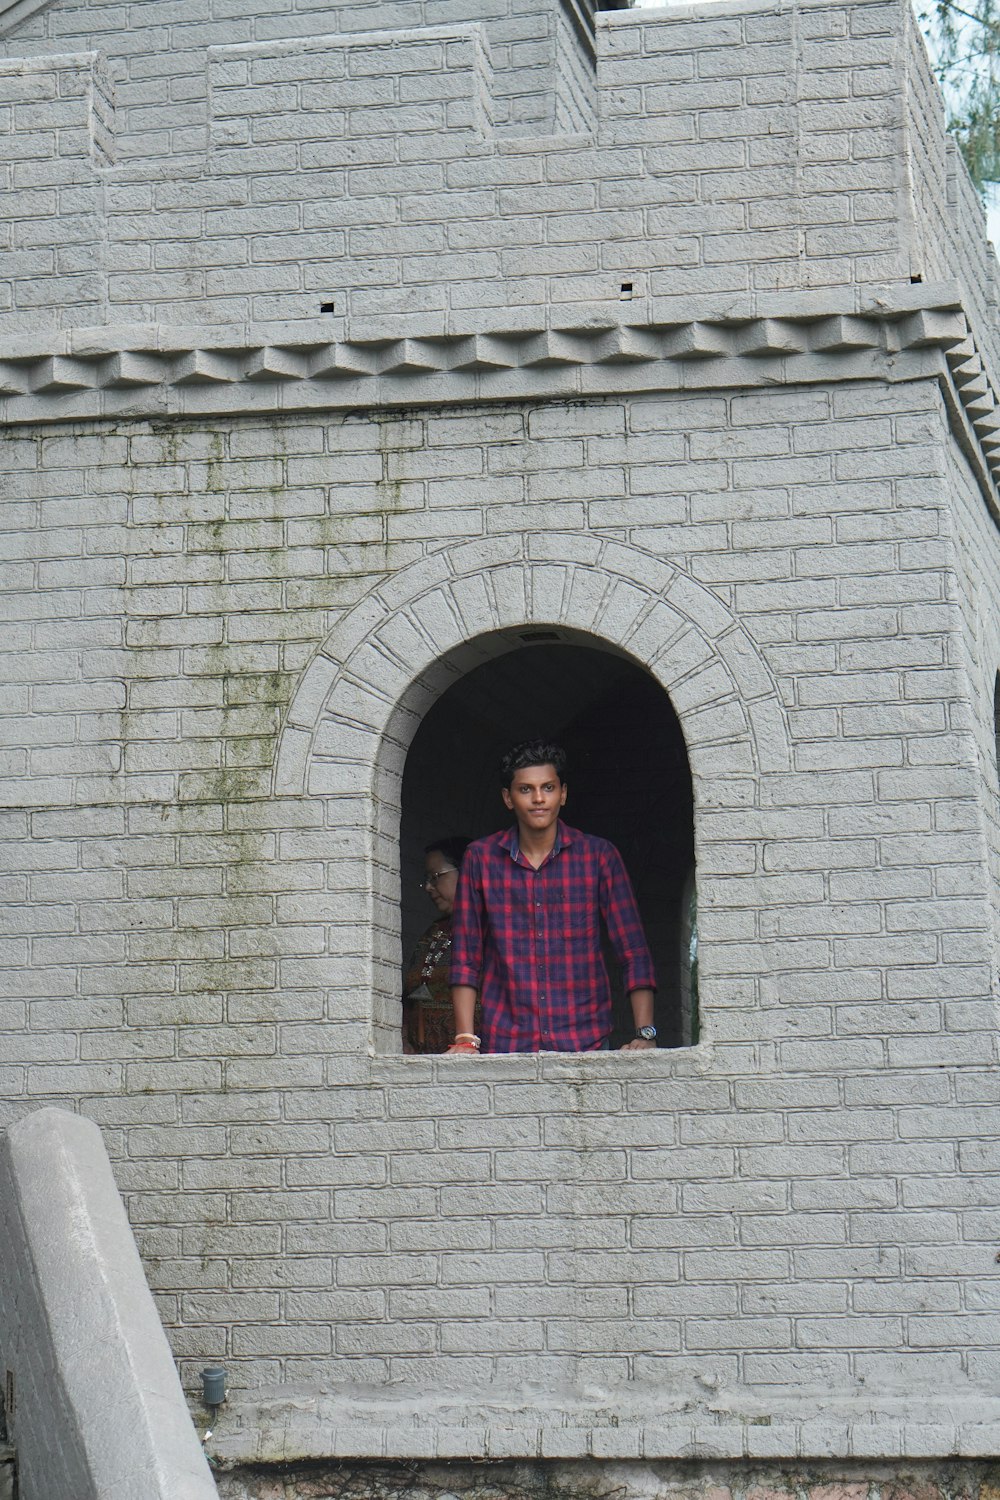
224, 626
258, 165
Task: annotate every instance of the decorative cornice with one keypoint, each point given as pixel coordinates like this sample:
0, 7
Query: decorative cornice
159, 372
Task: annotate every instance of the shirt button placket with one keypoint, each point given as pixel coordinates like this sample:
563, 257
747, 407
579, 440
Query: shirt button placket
540, 952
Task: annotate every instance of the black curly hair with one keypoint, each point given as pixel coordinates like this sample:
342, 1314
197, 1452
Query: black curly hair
532, 753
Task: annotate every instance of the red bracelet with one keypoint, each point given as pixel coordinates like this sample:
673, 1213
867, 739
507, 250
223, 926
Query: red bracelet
465, 1042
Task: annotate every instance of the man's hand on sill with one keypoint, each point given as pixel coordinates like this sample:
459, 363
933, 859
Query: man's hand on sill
470, 1048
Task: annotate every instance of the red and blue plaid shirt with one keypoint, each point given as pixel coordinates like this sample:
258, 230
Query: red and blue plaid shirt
530, 940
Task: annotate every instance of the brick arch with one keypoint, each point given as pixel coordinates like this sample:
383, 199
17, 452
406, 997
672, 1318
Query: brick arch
361, 699
396, 651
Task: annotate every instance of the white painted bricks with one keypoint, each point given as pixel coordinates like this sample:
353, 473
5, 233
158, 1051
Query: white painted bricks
201, 939
381, 176
239, 576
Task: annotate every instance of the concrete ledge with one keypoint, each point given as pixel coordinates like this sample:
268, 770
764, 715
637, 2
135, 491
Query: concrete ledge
667, 1423
98, 1412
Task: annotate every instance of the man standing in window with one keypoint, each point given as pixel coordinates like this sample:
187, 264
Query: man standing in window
527, 925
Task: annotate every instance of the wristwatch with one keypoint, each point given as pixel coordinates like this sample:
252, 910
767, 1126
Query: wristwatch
646, 1034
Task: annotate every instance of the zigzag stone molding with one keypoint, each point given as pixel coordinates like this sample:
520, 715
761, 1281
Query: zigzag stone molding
158, 371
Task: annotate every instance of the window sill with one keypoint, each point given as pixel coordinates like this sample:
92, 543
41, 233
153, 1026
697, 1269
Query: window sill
536, 1067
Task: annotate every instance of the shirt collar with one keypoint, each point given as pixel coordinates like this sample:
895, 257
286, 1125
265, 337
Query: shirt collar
510, 842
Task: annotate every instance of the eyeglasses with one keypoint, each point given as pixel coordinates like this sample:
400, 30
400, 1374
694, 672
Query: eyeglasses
430, 880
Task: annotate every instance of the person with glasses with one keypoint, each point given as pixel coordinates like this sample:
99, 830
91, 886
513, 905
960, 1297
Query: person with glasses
427, 1008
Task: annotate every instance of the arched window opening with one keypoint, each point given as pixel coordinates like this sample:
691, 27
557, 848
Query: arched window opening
629, 781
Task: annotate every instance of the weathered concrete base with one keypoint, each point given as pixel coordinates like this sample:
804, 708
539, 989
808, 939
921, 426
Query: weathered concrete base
660, 1424
970, 1480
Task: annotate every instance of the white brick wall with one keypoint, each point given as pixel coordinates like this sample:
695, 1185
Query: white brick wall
190, 951
268, 168
242, 561
158, 55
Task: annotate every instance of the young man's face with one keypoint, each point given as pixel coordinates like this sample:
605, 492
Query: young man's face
535, 797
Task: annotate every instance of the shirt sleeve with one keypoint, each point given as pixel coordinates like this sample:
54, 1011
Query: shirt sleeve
621, 917
467, 921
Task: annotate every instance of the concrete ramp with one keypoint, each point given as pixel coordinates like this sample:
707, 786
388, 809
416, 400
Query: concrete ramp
95, 1408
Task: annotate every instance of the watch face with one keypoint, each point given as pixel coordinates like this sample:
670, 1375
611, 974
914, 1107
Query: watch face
647, 1033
